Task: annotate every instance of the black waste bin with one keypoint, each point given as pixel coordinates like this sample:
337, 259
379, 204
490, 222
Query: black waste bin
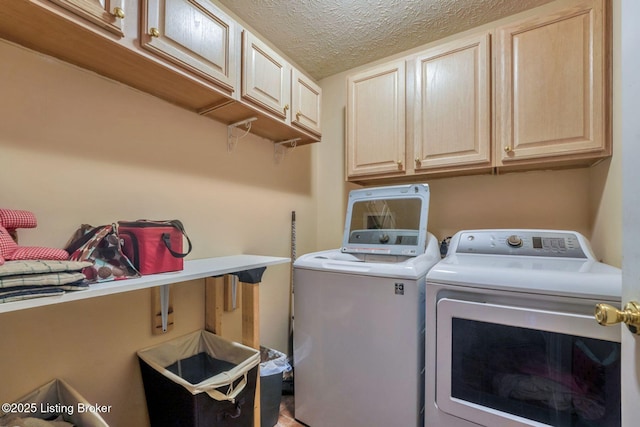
200, 380
272, 366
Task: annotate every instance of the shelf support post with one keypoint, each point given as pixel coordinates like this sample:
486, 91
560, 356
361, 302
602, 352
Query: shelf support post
162, 309
214, 302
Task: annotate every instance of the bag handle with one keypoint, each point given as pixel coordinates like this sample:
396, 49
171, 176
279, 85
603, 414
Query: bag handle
232, 392
166, 238
235, 412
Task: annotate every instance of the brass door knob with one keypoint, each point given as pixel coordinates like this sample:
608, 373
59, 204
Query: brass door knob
298, 114
153, 32
286, 107
399, 162
118, 12
608, 315
418, 161
507, 149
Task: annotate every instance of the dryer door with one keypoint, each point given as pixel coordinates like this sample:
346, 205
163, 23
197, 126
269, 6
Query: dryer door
515, 366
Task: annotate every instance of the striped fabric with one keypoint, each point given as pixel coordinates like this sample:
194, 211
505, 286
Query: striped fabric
13, 268
49, 279
37, 252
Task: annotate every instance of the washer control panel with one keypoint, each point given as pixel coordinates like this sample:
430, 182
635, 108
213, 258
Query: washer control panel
522, 242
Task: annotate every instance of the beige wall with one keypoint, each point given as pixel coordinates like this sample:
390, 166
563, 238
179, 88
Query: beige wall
587, 200
77, 148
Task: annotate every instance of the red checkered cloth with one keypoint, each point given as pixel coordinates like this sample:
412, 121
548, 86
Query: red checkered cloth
7, 244
9, 250
37, 252
13, 218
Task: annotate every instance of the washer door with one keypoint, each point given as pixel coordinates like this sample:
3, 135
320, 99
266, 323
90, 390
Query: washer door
514, 366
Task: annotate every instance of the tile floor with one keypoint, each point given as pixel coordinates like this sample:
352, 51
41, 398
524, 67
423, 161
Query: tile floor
286, 413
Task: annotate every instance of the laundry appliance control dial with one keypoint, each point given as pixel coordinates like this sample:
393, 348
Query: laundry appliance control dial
514, 241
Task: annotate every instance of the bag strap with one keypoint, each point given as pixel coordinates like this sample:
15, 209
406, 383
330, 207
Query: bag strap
166, 238
232, 392
81, 236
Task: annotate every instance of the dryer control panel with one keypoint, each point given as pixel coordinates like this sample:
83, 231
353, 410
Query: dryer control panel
548, 243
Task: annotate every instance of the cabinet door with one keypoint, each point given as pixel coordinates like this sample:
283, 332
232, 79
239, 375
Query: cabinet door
266, 77
375, 141
305, 102
452, 105
193, 34
552, 86
107, 14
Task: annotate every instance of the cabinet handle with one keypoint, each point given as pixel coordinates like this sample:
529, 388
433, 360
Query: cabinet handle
118, 12
298, 114
286, 107
507, 149
399, 163
418, 161
153, 32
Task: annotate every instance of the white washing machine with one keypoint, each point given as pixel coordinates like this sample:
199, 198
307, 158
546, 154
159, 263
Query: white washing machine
511, 334
359, 315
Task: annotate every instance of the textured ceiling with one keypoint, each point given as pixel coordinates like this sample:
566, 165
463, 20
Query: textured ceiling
326, 37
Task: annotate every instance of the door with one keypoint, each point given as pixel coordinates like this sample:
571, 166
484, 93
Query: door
551, 79
452, 105
513, 364
630, 13
266, 77
305, 102
195, 35
375, 140
107, 14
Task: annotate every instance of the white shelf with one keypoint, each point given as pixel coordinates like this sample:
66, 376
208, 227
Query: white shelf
193, 269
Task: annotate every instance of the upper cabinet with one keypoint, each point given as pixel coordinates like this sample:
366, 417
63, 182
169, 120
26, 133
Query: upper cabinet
438, 120
284, 102
452, 121
187, 52
273, 85
194, 35
548, 106
306, 98
552, 87
376, 131
107, 14
266, 77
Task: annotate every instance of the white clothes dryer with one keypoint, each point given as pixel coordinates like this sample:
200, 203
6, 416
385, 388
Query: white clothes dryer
511, 335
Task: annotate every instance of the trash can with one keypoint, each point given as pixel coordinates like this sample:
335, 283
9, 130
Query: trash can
55, 400
273, 364
198, 380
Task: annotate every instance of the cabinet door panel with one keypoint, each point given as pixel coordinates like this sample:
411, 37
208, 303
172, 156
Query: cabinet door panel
195, 35
266, 77
305, 102
452, 123
104, 13
551, 86
376, 121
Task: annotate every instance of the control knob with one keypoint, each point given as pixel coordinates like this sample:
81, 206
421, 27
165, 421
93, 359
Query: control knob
514, 241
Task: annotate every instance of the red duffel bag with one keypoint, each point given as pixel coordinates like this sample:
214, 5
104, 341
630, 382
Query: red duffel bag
154, 246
